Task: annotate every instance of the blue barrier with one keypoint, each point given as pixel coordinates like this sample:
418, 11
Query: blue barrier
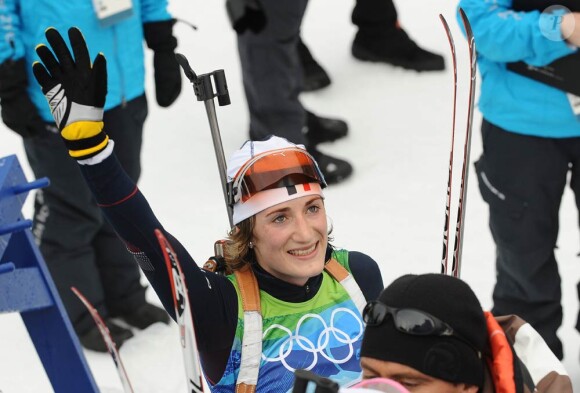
27, 287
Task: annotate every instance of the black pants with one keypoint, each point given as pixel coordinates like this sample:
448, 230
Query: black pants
80, 248
271, 69
272, 74
374, 17
522, 178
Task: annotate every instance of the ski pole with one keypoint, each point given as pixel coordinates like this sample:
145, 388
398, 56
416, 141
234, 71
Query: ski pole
204, 91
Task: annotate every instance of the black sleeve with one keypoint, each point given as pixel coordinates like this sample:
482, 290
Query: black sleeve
213, 299
366, 273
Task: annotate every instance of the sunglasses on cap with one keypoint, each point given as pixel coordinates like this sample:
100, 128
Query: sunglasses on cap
411, 321
272, 169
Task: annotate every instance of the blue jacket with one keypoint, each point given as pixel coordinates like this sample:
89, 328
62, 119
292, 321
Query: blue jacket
22, 27
508, 100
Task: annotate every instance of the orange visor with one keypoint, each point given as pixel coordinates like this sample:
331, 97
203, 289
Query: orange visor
272, 169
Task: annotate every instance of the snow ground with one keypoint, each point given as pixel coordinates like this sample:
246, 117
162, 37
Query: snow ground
392, 208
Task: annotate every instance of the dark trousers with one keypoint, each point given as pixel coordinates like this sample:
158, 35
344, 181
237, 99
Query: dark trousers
80, 248
374, 17
272, 74
522, 178
271, 69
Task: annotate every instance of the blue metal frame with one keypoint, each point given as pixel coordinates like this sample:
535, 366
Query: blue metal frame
27, 287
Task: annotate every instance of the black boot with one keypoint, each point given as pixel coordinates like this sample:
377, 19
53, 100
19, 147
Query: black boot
334, 169
322, 129
396, 48
315, 77
93, 340
144, 316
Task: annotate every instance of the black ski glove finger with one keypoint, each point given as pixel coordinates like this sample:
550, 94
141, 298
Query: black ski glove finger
49, 63
42, 76
80, 51
167, 78
99, 71
60, 49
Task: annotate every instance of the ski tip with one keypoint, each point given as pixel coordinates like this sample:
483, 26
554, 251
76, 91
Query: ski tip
466, 23
443, 20
447, 31
471, 41
81, 297
161, 239
89, 306
164, 244
75, 291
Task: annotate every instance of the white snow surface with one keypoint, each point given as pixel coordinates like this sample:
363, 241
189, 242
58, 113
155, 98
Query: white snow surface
392, 208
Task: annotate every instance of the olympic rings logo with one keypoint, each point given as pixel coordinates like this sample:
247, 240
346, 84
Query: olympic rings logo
321, 347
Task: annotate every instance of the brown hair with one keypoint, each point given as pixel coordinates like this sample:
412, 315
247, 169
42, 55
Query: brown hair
237, 250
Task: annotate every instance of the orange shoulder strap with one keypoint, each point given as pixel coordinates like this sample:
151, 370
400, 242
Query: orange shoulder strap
502, 363
336, 270
340, 274
249, 290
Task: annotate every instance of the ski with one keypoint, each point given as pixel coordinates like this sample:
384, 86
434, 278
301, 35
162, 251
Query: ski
183, 315
109, 342
458, 247
460, 225
444, 259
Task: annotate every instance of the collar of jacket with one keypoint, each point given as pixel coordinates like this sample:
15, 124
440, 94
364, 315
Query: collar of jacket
285, 291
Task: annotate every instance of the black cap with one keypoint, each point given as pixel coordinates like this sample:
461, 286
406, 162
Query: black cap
442, 357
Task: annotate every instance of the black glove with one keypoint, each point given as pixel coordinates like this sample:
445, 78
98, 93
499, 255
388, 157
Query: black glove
18, 111
159, 38
75, 91
246, 14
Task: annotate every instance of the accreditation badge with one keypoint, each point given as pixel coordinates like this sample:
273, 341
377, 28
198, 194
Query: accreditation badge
575, 104
110, 12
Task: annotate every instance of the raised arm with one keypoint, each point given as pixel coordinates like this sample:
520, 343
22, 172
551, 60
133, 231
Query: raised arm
76, 89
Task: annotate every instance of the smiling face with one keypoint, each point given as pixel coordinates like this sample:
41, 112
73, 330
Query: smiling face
413, 380
290, 239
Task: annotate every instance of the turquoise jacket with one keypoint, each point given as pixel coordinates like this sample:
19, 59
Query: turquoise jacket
22, 27
508, 100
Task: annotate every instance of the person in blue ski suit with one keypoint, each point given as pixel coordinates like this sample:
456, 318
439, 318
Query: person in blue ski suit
531, 143
80, 248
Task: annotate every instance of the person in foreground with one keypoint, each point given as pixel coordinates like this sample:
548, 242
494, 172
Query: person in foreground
530, 135
429, 333
280, 237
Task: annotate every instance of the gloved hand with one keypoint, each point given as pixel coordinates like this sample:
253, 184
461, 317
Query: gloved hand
160, 39
75, 91
246, 14
18, 111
